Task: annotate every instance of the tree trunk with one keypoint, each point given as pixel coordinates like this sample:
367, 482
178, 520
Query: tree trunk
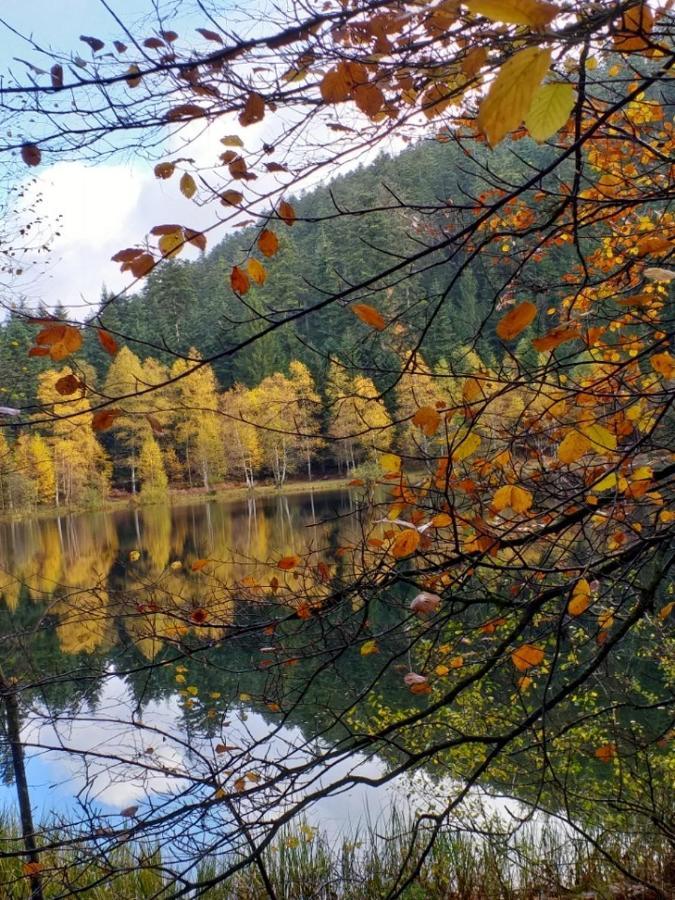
27, 828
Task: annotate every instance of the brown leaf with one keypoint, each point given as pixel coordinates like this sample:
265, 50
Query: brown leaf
95, 43
188, 186
231, 198
57, 76
210, 35
286, 212
105, 418
108, 342
133, 78
185, 111
129, 811
254, 109
31, 155
68, 384
427, 419
164, 169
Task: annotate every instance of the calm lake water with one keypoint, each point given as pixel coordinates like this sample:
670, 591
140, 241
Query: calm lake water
115, 626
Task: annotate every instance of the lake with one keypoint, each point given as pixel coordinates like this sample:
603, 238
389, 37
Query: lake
174, 678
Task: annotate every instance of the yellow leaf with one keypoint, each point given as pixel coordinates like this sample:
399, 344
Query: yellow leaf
573, 447
188, 185
368, 648
551, 108
526, 657
405, 543
606, 619
581, 598
510, 96
609, 481
510, 496
467, 446
427, 419
515, 320
441, 670
390, 462
369, 315
172, 243
256, 271
232, 140
536, 13
603, 441
134, 555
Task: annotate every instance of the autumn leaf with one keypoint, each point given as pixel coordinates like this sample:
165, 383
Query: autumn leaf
527, 656
231, 198
105, 418
369, 315
107, 341
574, 445
405, 543
254, 109
199, 616
268, 242
535, 13
580, 599
68, 384
133, 78
516, 320
555, 338
164, 170
31, 154
369, 647
427, 419
636, 26
425, 603
31, 869
466, 447
188, 185
288, 562
602, 440
59, 340
335, 86
441, 520
664, 364
239, 280
256, 271
199, 564
510, 96
510, 496
390, 463
606, 752
550, 110
286, 213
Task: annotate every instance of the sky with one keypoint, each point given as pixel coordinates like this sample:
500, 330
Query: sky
102, 207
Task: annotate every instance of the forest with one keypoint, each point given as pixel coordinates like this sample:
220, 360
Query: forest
420, 252
293, 404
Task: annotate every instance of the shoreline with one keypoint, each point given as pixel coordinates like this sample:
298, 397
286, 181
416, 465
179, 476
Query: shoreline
181, 497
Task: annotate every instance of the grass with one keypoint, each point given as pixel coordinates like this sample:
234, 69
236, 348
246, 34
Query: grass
305, 864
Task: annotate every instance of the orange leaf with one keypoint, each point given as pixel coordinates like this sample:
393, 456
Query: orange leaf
199, 564
335, 86
527, 656
268, 242
515, 320
288, 562
104, 418
555, 338
581, 598
369, 98
428, 419
239, 280
286, 212
108, 342
606, 752
664, 364
61, 340
369, 315
405, 543
512, 497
